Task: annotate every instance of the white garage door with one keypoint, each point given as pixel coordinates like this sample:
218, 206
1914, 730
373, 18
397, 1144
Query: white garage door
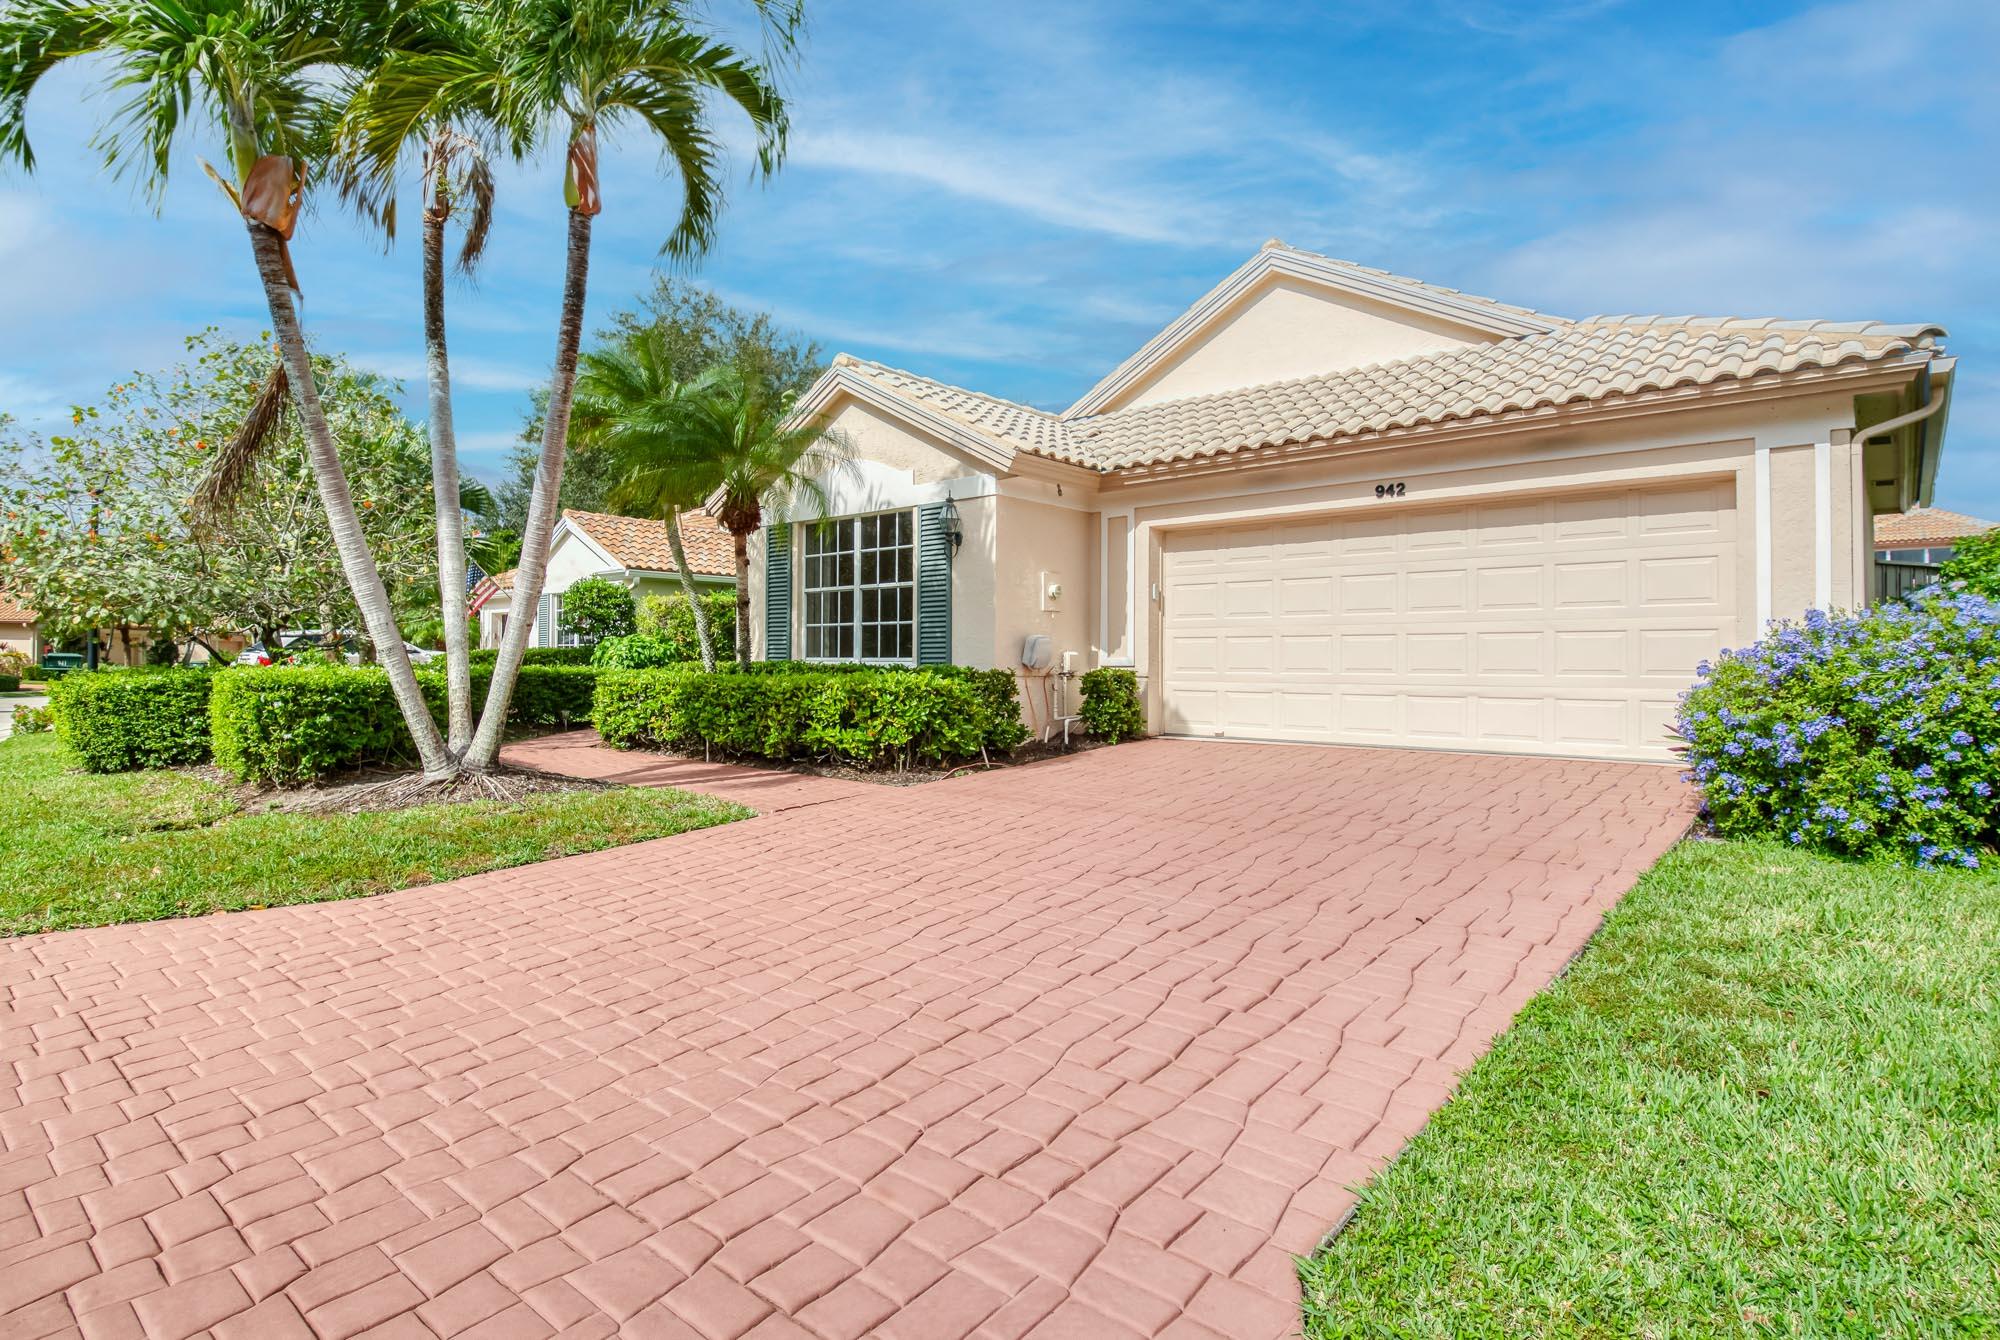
1561, 625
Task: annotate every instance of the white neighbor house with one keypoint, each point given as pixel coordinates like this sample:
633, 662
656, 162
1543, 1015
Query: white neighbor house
626, 549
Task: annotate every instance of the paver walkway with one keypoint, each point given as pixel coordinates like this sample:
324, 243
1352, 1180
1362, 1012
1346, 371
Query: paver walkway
1082, 1049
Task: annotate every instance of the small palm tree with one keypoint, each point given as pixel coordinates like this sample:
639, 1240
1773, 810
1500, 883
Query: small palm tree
630, 407
566, 70
252, 74
735, 440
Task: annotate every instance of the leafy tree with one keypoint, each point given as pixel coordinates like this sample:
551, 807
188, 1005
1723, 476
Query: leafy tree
596, 608
99, 526
1975, 560
564, 70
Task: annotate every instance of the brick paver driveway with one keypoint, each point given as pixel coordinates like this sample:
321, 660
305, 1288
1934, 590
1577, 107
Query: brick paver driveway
1084, 1049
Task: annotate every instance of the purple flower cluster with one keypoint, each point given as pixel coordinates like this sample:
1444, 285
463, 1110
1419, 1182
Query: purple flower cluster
1869, 732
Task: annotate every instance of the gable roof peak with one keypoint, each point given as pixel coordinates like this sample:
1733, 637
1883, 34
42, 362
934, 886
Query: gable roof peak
1465, 310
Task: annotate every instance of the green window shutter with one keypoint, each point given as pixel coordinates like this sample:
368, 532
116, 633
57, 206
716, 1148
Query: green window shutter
933, 587
778, 593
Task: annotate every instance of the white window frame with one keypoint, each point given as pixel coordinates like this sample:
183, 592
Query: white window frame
856, 624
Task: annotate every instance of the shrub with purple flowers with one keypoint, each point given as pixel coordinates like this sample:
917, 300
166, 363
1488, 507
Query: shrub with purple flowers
1868, 733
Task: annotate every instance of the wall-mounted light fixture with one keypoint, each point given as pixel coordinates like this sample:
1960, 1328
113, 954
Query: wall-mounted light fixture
954, 529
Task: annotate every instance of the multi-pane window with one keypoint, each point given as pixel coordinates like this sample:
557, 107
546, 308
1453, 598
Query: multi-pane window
859, 580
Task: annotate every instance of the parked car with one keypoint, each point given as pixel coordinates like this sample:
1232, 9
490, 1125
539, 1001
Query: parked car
254, 654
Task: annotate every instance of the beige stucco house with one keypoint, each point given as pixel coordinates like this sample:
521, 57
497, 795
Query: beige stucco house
1328, 503
627, 549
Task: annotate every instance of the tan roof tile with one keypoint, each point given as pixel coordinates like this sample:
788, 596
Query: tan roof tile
641, 543
13, 610
1925, 526
1574, 363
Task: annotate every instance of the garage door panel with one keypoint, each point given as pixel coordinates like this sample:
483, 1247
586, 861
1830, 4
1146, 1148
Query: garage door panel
1564, 624
1510, 589
1672, 652
1368, 653
1596, 651
1307, 654
1364, 714
1368, 593
1508, 654
1695, 579
1437, 591
1438, 653
1601, 585
1439, 720
1596, 722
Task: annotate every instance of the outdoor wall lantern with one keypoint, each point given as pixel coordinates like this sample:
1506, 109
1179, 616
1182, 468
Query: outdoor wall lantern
954, 529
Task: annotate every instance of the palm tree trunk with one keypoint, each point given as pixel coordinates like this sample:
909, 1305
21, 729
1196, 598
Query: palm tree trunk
742, 543
363, 578
701, 633
542, 502
444, 486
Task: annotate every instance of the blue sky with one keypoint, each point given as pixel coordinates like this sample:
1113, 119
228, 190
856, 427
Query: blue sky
1013, 197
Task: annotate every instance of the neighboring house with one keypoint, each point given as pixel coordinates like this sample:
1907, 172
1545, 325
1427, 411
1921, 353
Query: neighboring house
18, 627
1926, 535
1332, 504
626, 549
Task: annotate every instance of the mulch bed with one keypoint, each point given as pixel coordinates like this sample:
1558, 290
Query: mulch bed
368, 790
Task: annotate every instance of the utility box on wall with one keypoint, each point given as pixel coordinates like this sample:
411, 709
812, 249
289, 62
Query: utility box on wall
1052, 592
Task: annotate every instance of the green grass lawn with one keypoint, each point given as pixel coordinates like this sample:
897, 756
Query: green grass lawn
1762, 1103
83, 850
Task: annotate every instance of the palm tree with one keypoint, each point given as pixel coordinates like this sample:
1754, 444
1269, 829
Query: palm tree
629, 406
457, 177
736, 431
574, 68
252, 73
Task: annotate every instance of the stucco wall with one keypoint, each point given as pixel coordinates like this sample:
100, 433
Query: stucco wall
19, 637
876, 437
1290, 329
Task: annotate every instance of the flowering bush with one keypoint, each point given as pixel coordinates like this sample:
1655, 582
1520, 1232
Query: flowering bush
1864, 733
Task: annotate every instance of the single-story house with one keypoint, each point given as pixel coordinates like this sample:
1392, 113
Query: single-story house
1327, 503
627, 549
1926, 535
18, 627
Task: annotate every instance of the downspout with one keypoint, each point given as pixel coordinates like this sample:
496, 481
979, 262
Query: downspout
1932, 404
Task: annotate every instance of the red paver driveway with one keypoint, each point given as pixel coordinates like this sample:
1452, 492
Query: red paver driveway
1086, 1049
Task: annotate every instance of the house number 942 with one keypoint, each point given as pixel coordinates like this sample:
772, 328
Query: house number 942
1394, 490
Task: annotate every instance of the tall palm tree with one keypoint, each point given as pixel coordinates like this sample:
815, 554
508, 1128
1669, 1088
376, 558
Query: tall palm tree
736, 428
457, 180
252, 74
629, 406
570, 69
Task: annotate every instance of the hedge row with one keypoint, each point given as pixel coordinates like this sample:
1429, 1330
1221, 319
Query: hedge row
862, 715
289, 724
486, 656
119, 720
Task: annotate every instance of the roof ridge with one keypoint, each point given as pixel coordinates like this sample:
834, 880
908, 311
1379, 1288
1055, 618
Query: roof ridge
863, 365
1783, 325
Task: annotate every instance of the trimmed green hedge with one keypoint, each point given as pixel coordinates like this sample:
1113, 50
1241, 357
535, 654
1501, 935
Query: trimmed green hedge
119, 720
864, 715
1111, 709
286, 724
486, 656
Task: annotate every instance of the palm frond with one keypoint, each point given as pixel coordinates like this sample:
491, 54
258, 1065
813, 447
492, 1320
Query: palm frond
230, 473
35, 37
